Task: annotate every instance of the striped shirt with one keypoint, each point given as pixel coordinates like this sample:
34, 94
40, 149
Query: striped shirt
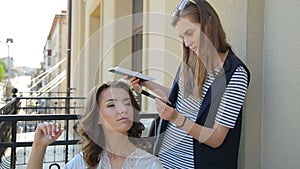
177, 146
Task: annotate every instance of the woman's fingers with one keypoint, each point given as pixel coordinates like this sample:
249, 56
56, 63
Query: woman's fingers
161, 107
46, 133
165, 112
58, 128
134, 81
130, 79
43, 128
58, 132
135, 84
50, 129
53, 133
137, 88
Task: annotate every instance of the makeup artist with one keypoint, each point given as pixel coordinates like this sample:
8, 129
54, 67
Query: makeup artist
202, 127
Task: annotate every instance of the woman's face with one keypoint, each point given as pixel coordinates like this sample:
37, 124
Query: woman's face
189, 32
116, 110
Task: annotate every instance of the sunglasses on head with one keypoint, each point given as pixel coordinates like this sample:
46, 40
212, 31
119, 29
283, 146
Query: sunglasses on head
183, 4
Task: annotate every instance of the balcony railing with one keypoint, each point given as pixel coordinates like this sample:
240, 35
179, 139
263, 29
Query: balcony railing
18, 142
20, 117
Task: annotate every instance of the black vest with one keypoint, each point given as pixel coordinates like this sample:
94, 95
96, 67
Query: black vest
226, 155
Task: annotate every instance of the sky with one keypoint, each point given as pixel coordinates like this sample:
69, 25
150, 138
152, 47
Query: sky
28, 23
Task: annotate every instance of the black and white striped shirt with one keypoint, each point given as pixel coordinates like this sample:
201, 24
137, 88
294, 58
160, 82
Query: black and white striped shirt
177, 146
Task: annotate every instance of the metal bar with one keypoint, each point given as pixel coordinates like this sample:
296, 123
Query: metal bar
69, 54
67, 138
31, 117
13, 148
49, 107
39, 117
29, 143
52, 97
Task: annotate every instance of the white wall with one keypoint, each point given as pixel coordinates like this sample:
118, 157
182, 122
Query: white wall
281, 118
233, 16
270, 42
242, 21
162, 52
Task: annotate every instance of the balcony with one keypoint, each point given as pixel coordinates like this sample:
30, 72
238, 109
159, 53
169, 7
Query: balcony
20, 116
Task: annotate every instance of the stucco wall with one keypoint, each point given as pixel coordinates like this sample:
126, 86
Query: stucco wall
162, 47
266, 33
242, 21
281, 117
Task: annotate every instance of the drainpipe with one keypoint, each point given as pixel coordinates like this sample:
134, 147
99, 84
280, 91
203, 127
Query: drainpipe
69, 56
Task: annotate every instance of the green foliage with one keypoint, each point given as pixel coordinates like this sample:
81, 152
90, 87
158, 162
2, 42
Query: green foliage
2, 73
4, 65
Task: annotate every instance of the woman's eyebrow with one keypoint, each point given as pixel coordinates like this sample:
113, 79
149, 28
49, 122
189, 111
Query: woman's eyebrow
126, 99
111, 100
185, 33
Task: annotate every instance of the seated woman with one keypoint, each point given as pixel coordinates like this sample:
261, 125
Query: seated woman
110, 133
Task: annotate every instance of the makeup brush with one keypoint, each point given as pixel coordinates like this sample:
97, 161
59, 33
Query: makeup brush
141, 91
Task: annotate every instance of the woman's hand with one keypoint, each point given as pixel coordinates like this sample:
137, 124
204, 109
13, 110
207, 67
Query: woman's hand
166, 112
135, 84
46, 133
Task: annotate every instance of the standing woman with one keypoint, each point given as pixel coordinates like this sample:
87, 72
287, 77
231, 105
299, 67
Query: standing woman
202, 128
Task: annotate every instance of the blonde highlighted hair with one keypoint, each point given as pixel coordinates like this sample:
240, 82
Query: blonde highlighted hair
212, 41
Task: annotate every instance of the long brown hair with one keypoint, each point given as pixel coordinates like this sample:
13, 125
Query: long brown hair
194, 68
92, 135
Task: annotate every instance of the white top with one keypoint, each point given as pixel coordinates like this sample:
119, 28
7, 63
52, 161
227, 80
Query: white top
139, 159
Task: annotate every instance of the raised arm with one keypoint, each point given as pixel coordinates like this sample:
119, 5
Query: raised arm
158, 89
45, 134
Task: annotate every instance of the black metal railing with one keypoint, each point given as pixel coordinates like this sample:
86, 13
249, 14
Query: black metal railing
10, 107
19, 118
5, 133
43, 94
50, 105
67, 120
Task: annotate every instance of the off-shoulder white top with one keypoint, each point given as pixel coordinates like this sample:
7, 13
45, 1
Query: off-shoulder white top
139, 159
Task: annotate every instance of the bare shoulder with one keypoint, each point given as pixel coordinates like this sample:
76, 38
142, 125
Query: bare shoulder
76, 162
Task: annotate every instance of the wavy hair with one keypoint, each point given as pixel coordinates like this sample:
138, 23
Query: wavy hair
92, 135
212, 40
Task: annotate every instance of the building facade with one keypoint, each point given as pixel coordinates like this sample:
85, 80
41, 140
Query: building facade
137, 34
55, 56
